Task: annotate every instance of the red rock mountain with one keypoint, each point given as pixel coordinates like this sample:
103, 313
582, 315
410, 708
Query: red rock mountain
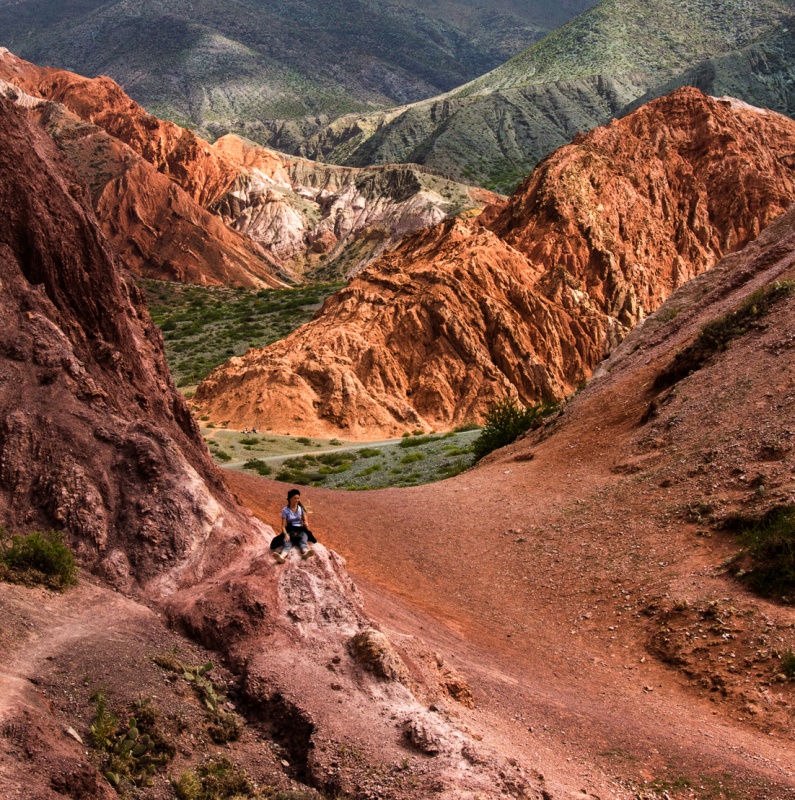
273, 216
525, 300
96, 442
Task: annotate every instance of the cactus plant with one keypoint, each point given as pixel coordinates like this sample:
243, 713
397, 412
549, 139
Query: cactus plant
131, 751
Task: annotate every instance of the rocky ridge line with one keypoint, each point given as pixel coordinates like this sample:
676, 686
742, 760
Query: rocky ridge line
279, 216
525, 300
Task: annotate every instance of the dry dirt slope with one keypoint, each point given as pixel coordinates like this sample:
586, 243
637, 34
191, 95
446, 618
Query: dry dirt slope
579, 573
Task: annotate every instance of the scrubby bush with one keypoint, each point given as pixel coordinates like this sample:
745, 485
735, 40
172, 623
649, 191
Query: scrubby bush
418, 441
38, 557
218, 779
368, 452
507, 421
130, 752
258, 466
767, 562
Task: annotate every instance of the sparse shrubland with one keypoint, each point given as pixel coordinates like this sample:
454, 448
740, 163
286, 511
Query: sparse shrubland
719, 332
37, 558
429, 458
205, 326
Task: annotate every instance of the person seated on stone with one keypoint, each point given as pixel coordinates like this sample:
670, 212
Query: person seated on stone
294, 530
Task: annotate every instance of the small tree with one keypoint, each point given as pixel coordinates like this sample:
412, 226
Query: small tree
507, 421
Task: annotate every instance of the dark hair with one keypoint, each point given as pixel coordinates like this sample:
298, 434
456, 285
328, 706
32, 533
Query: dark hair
292, 493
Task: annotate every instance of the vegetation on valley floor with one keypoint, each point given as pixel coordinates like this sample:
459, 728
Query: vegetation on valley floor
205, 326
415, 459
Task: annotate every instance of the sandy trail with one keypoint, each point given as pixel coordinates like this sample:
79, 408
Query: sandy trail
47, 624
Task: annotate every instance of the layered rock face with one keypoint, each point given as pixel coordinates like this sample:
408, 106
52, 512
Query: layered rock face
334, 219
96, 442
147, 179
524, 301
154, 186
94, 438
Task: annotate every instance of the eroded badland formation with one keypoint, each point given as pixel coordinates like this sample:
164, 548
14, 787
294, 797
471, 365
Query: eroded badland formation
526, 299
568, 619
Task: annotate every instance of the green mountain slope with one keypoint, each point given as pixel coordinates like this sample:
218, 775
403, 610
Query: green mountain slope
218, 64
494, 129
762, 73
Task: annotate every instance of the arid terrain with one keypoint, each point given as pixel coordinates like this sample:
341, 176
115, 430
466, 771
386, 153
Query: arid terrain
526, 299
602, 609
580, 575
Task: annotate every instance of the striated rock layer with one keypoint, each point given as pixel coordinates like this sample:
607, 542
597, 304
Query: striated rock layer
154, 185
333, 220
525, 300
96, 442
147, 179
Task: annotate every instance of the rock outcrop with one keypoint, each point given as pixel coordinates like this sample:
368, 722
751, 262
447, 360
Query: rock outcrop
147, 180
154, 185
525, 300
333, 220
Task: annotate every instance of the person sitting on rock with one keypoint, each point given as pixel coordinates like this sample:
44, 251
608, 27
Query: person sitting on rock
294, 530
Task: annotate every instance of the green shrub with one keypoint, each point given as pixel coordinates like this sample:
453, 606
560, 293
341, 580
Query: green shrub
368, 452
369, 471
218, 779
249, 440
303, 440
452, 450
788, 664
129, 752
222, 455
767, 562
335, 442
38, 557
417, 441
258, 466
507, 421
410, 458
336, 459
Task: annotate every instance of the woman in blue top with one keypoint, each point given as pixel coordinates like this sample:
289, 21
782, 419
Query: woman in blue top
294, 530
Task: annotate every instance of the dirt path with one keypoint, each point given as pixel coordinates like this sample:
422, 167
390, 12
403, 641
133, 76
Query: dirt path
541, 575
44, 624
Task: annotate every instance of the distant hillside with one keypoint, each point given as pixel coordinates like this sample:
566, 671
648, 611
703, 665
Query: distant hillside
762, 73
494, 129
215, 65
